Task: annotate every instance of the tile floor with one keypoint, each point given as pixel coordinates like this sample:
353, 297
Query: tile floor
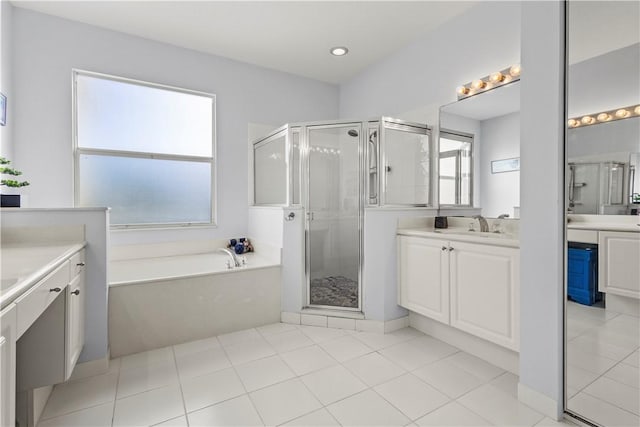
293, 375
602, 365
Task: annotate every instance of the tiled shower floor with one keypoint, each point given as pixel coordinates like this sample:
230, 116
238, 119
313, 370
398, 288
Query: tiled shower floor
335, 291
284, 374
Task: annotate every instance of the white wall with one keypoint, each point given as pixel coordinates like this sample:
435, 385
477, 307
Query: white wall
604, 139
6, 82
542, 206
500, 139
50, 47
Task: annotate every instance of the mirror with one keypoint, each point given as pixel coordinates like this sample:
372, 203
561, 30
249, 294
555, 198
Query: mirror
479, 151
602, 314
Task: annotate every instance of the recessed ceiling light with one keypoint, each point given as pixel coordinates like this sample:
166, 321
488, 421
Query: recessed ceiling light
339, 51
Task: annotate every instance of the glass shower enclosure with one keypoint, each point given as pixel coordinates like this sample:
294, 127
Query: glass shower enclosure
332, 170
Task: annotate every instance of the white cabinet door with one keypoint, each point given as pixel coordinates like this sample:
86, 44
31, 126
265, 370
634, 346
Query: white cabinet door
619, 263
424, 276
485, 298
75, 318
8, 336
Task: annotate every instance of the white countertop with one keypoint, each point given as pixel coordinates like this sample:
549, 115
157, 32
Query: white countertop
604, 222
463, 235
23, 265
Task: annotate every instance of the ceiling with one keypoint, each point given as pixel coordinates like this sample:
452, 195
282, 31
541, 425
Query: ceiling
294, 37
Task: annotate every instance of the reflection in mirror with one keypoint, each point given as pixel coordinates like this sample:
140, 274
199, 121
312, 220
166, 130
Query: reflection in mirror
602, 315
486, 127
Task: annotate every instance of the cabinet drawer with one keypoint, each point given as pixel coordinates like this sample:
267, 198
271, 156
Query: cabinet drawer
37, 299
76, 264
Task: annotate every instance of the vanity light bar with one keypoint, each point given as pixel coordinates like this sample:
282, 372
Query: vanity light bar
493, 80
604, 116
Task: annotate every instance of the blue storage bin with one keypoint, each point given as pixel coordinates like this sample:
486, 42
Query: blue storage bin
582, 284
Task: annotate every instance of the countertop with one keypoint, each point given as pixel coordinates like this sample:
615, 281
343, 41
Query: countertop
23, 265
463, 235
603, 226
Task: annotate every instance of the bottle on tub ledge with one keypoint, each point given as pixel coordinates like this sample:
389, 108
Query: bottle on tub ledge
240, 246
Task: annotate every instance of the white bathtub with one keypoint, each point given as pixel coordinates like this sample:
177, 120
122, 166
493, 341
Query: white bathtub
156, 302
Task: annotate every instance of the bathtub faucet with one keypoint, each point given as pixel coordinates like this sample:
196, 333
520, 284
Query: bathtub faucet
234, 259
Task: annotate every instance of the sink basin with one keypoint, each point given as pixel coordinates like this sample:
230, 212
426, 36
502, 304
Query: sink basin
463, 232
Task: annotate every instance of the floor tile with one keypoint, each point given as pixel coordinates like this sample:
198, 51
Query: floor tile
148, 408
284, 402
618, 394
589, 344
591, 362
367, 408
625, 374
158, 356
196, 346
308, 359
476, 366
507, 382
263, 372
448, 378
97, 416
454, 415
407, 333
374, 369
578, 378
210, 389
144, 378
379, 341
174, 422
205, 361
318, 334
238, 337
411, 396
345, 348
235, 412
319, 418
498, 407
249, 350
275, 328
287, 341
81, 394
433, 348
633, 359
411, 356
332, 384
601, 412
548, 422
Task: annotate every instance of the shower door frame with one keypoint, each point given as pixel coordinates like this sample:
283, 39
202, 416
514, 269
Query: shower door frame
306, 198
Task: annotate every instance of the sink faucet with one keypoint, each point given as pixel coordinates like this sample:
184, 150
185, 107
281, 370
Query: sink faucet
484, 226
234, 259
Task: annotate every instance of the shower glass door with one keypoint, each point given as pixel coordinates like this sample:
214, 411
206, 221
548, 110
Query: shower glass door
334, 216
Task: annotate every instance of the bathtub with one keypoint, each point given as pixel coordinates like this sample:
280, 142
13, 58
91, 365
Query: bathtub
161, 301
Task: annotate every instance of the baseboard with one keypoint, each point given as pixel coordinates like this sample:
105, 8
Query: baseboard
497, 355
540, 402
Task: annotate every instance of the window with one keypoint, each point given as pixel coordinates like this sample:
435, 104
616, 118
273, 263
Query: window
145, 150
456, 166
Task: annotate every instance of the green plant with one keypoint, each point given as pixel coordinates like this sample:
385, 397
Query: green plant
4, 170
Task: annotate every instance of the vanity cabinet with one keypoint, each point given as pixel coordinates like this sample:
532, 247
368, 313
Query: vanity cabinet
618, 263
49, 349
470, 286
8, 336
424, 277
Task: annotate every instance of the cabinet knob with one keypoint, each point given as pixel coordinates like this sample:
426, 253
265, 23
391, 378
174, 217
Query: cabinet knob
450, 248
76, 292
55, 290
444, 248
80, 264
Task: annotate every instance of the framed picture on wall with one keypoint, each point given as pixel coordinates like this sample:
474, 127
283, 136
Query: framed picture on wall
506, 165
3, 110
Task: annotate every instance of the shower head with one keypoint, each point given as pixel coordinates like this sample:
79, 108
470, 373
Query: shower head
352, 132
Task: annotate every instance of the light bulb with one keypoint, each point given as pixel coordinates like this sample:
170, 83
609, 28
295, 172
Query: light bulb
462, 90
637, 110
496, 77
339, 51
622, 113
515, 70
587, 120
478, 84
604, 117
573, 123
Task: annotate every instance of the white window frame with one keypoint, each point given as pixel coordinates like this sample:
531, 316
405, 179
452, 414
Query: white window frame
462, 137
77, 151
